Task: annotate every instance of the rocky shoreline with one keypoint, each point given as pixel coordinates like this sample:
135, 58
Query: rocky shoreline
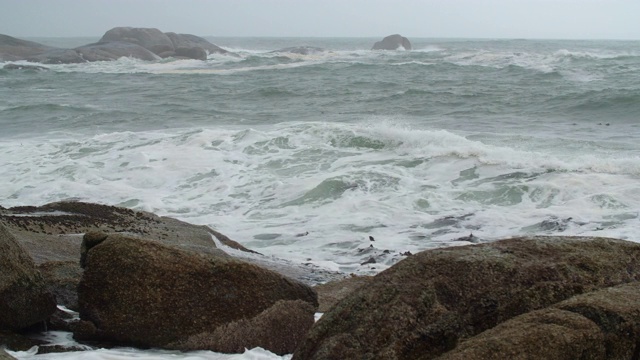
138, 279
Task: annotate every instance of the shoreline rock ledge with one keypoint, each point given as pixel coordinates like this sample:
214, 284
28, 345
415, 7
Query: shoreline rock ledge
392, 42
473, 301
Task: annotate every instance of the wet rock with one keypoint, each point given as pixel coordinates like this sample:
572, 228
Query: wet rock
279, 329
603, 324
426, 304
332, 292
392, 42
58, 56
5, 356
114, 50
195, 53
141, 293
17, 342
24, 299
61, 279
193, 41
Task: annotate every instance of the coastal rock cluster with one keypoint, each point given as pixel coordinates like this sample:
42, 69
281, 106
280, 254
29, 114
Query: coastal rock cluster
138, 279
138, 43
147, 44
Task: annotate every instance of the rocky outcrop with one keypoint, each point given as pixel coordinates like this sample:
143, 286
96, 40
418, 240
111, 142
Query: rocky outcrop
13, 49
24, 299
151, 39
53, 232
142, 293
280, 329
139, 43
61, 279
425, 305
392, 42
602, 324
113, 50
164, 44
24, 67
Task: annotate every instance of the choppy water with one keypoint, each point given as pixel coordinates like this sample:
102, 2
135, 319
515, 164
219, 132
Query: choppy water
417, 149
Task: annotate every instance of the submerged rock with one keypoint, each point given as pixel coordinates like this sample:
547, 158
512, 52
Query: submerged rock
114, 50
24, 67
142, 293
392, 42
425, 305
24, 299
301, 50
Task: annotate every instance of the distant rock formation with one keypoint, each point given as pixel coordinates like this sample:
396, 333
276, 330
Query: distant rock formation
14, 49
140, 43
392, 42
301, 50
164, 44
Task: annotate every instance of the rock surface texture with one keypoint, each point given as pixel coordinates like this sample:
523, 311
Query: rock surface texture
430, 302
24, 299
142, 293
392, 42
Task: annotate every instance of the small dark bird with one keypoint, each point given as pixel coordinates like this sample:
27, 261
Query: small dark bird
371, 238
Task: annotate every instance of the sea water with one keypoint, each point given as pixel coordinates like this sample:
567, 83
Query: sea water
304, 157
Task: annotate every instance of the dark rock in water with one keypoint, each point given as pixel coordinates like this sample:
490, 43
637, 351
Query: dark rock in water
196, 53
141, 293
280, 329
13, 49
58, 56
301, 50
371, 260
24, 67
151, 39
426, 304
114, 50
392, 42
24, 299
603, 324
61, 279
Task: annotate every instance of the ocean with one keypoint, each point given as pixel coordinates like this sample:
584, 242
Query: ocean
304, 157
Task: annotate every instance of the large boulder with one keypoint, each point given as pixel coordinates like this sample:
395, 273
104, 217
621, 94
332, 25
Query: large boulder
426, 304
603, 324
151, 39
113, 50
139, 292
24, 299
392, 42
13, 49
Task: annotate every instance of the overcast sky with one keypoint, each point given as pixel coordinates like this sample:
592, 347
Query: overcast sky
556, 19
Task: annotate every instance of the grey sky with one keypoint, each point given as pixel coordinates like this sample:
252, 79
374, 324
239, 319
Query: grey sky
557, 19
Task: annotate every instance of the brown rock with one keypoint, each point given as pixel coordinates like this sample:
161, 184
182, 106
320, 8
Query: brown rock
332, 292
279, 329
603, 324
549, 334
142, 293
24, 299
61, 279
424, 305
